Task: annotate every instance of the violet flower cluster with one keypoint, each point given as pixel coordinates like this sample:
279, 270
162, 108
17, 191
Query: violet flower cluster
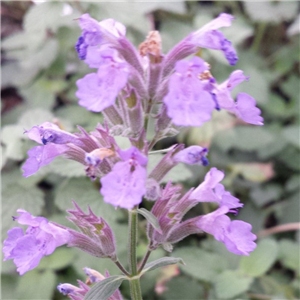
132, 89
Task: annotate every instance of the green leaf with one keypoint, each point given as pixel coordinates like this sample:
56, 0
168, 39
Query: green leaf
13, 75
46, 16
63, 167
288, 211
36, 285
15, 196
265, 194
39, 94
214, 246
238, 32
123, 142
8, 285
294, 27
272, 149
162, 262
172, 32
258, 84
150, 218
59, 259
175, 291
255, 172
82, 190
201, 264
12, 139
271, 12
261, 259
244, 138
179, 173
289, 254
230, 284
290, 156
79, 116
292, 134
14, 41
221, 120
41, 58
34, 117
3, 159
270, 285
105, 288
293, 183
253, 215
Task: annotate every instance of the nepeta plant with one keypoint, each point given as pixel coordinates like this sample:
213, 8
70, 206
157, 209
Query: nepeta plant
133, 88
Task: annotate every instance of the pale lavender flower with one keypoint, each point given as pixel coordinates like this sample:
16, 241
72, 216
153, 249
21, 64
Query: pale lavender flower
210, 190
125, 186
236, 235
78, 293
209, 37
192, 155
72, 291
91, 150
245, 106
188, 103
206, 37
96, 33
40, 239
98, 91
54, 140
41, 156
50, 133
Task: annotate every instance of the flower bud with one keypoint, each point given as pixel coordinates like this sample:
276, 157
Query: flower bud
166, 164
97, 237
193, 155
152, 189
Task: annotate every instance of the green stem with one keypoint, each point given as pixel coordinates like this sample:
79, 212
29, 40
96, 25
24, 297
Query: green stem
120, 266
258, 38
132, 241
135, 287
144, 261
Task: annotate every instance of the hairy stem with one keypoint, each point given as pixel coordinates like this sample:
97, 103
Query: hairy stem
120, 266
135, 287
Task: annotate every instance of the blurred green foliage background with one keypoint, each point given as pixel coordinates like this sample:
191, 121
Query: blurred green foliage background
262, 164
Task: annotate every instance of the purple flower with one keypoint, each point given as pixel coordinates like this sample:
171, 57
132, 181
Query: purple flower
72, 291
40, 156
40, 239
236, 235
206, 37
78, 293
98, 91
93, 275
209, 37
192, 155
125, 185
50, 133
96, 33
210, 190
245, 106
54, 140
91, 150
188, 103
